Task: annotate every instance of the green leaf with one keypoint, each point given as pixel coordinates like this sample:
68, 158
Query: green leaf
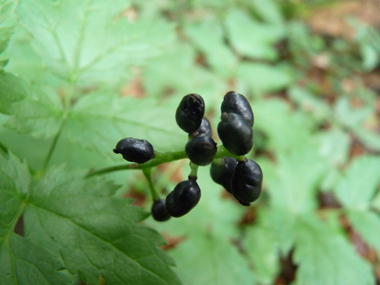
335, 145
91, 42
282, 224
7, 22
40, 114
250, 37
6, 30
269, 10
324, 257
322, 254
175, 72
297, 126
207, 248
367, 224
209, 38
357, 120
81, 228
359, 183
292, 186
98, 122
262, 78
7, 7
215, 261
262, 248
3, 63
310, 103
15, 184
21, 260
25, 262
334, 148
12, 89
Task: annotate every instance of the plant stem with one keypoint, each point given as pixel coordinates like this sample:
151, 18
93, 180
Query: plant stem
223, 152
194, 170
148, 175
160, 158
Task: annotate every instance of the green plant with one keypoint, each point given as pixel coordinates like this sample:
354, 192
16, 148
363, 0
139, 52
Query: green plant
77, 76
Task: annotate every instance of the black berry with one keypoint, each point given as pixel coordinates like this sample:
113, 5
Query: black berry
222, 173
183, 198
247, 182
201, 150
236, 103
135, 150
235, 133
159, 212
190, 112
205, 128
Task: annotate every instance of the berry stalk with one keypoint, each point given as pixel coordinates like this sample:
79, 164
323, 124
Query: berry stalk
160, 158
148, 175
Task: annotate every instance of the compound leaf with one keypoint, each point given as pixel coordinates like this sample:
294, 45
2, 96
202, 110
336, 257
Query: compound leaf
98, 122
367, 224
322, 254
82, 229
208, 38
294, 188
215, 261
90, 41
250, 37
325, 257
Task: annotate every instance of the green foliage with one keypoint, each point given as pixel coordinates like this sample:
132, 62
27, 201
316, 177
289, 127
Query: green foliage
91, 43
78, 76
77, 222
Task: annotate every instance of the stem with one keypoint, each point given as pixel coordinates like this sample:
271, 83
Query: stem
223, 152
194, 170
148, 175
218, 161
160, 158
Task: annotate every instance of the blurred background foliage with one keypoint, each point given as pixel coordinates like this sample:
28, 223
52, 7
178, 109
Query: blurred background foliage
311, 72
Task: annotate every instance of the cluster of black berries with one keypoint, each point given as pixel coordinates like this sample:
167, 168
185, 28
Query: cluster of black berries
240, 176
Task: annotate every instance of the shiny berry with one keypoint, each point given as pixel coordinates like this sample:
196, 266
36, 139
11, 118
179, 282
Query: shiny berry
236, 103
190, 112
247, 182
159, 212
201, 150
235, 133
183, 198
205, 128
222, 173
135, 150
